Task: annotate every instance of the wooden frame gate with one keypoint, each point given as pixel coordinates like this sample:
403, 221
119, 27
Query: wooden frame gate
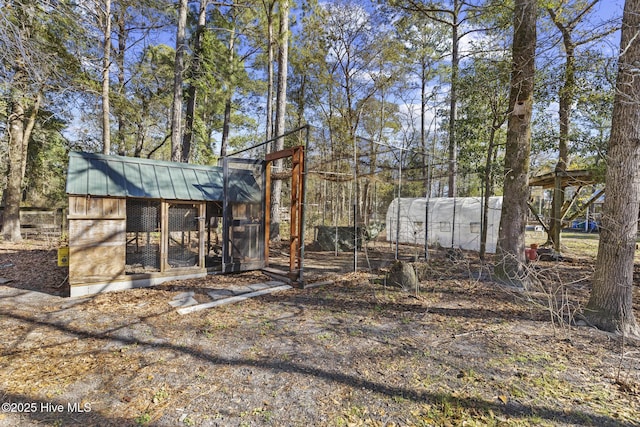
296, 238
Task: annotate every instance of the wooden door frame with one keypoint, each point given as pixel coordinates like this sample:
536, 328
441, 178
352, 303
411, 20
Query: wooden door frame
296, 209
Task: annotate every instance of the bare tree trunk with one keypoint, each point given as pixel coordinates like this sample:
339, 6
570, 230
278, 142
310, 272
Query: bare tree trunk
122, 46
567, 27
13, 191
226, 123
106, 64
510, 252
281, 110
453, 102
21, 120
283, 64
498, 119
176, 108
488, 189
187, 139
564, 114
268, 7
423, 126
610, 305
139, 142
301, 103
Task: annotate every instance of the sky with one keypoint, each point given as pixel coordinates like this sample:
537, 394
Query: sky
606, 9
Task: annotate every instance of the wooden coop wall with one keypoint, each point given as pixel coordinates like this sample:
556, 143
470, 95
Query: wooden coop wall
97, 239
98, 247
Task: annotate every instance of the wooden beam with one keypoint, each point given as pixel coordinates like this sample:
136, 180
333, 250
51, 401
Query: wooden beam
586, 205
570, 178
282, 154
546, 229
192, 308
565, 209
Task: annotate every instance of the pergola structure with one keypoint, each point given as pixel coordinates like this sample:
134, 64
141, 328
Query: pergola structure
572, 178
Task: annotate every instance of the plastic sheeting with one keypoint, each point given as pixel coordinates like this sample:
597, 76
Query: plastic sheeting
451, 222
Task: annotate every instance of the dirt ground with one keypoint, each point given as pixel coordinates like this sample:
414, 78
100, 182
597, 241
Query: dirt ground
459, 350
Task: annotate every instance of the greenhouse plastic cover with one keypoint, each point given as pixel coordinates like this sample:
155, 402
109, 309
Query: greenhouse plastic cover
451, 222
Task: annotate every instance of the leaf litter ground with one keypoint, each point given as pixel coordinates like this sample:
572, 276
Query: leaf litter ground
459, 350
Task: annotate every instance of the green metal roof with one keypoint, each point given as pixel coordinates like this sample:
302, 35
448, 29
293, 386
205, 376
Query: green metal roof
118, 176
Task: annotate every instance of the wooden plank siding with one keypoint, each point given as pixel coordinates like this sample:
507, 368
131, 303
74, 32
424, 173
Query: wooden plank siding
97, 239
97, 247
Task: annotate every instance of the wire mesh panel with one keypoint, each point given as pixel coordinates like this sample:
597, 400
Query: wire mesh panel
143, 236
183, 235
330, 186
350, 183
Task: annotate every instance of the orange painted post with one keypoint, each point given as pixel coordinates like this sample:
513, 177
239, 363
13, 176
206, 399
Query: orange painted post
294, 211
267, 213
301, 198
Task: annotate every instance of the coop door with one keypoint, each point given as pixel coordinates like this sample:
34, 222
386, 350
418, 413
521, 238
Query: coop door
183, 235
243, 209
246, 234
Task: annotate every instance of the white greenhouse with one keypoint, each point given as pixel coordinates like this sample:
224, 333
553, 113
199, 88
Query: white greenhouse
451, 222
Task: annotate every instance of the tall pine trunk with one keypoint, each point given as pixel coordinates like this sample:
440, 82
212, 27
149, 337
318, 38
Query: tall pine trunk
230, 88
281, 109
610, 305
176, 108
187, 139
510, 252
106, 65
120, 114
268, 6
453, 102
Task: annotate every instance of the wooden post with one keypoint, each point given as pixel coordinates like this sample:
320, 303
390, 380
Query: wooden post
267, 212
202, 216
294, 212
164, 236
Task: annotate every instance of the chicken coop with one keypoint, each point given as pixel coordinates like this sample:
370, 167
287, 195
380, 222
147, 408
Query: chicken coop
136, 222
